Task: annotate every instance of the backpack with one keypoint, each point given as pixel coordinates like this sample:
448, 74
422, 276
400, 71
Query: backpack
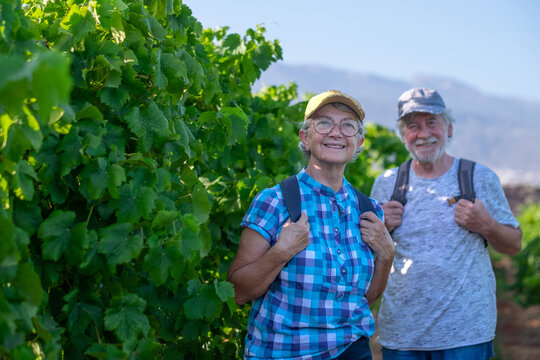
465, 179
291, 196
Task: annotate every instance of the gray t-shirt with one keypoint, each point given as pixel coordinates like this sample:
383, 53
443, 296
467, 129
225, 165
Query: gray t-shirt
441, 289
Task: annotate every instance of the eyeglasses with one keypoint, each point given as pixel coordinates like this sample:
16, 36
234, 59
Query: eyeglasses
349, 127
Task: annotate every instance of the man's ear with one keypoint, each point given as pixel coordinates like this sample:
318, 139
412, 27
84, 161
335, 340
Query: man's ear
450, 130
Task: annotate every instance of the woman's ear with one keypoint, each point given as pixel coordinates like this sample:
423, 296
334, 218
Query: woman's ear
304, 138
360, 142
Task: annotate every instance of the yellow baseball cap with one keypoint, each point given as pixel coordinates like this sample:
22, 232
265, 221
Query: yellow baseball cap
331, 96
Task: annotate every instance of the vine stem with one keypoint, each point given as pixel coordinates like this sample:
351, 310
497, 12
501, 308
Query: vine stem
89, 216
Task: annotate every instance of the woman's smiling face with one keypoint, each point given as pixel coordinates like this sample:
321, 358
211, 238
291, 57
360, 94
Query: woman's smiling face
333, 147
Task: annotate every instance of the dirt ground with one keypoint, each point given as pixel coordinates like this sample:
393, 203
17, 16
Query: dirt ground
518, 331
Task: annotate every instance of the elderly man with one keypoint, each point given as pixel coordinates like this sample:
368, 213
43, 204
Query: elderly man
440, 299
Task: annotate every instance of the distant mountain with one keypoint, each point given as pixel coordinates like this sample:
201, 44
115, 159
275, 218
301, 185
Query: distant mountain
499, 132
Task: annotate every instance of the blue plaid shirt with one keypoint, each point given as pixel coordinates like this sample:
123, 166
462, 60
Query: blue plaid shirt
316, 307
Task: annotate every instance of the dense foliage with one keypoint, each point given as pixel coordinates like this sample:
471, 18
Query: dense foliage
527, 261
131, 146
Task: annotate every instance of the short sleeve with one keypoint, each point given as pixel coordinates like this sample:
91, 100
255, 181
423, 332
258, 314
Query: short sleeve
266, 214
384, 185
488, 188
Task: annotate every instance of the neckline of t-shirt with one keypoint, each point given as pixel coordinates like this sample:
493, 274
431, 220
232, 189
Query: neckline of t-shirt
448, 172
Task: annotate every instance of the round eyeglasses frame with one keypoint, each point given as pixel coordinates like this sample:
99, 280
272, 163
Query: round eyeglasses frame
322, 126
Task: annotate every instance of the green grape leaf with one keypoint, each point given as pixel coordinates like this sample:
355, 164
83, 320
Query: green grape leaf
89, 111
148, 349
205, 305
185, 136
53, 69
13, 69
190, 330
80, 22
239, 123
250, 73
164, 218
234, 43
201, 205
134, 121
94, 145
174, 254
157, 264
156, 122
23, 352
158, 78
105, 352
78, 244
28, 283
224, 290
263, 55
157, 31
191, 243
160, 9
69, 147
24, 179
116, 176
195, 70
125, 316
146, 198
118, 245
26, 216
117, 28
55, 233
126, 204
17, 143
173, 67
50, 332
114, 97
81, 315
94, 178
120, 5
114, 79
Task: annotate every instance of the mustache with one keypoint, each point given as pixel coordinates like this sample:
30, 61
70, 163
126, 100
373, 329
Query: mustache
430, 139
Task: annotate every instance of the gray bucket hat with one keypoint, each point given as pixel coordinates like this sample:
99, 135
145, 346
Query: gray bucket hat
420, 100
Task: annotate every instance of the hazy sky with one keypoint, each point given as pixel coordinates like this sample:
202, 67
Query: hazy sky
493, 46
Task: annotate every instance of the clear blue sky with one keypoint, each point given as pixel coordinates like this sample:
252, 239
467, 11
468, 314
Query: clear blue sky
493, 46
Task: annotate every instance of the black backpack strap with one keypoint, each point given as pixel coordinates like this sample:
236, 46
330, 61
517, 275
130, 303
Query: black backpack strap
364, 202
402, 183
465, 181
291, 196
465, 178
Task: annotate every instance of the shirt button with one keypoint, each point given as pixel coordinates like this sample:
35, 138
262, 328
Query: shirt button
336, 229
343, 270
339, 251
340, 295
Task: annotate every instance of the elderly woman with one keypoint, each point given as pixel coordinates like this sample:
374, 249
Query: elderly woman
311, 282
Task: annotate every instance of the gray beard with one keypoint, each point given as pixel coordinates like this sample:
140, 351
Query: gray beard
429, 159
